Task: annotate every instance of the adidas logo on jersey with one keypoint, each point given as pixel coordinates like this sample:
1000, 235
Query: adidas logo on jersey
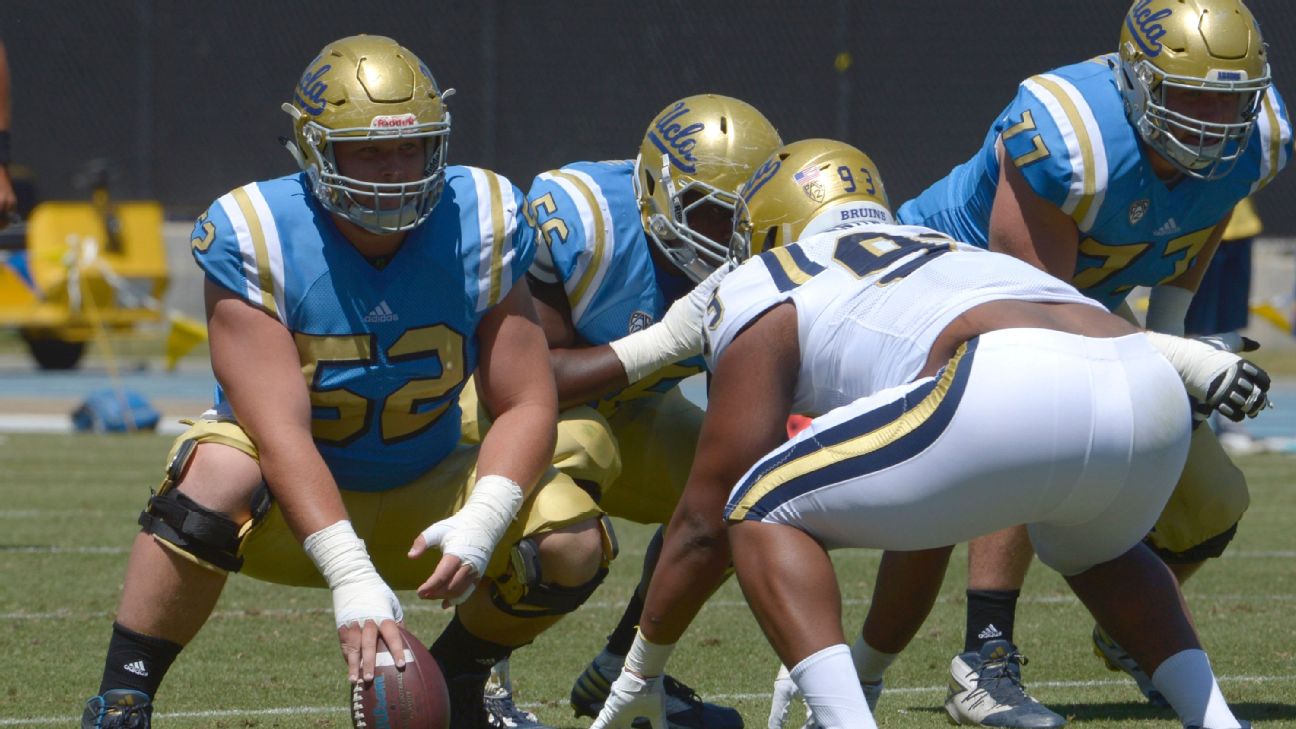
137, 667
381, 313
990, 632
1170, 226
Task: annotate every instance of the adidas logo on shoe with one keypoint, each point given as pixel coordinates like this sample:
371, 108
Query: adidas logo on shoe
137, 667
380, 314
990, 632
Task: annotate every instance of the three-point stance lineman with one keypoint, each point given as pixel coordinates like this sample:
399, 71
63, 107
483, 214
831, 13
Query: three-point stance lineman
944, 378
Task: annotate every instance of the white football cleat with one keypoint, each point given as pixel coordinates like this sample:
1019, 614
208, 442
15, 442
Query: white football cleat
986, 690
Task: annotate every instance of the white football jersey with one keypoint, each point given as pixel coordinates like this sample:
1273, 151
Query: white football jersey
870, 299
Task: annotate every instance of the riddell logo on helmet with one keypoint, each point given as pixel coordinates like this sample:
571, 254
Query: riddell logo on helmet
1148, 32
393, 121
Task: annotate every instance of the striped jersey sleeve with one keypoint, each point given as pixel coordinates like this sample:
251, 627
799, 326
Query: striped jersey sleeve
236, 244
575, 225
505, 244
1054, 138
1273, 137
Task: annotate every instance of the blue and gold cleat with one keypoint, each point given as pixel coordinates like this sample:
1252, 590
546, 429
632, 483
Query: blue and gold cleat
118, 709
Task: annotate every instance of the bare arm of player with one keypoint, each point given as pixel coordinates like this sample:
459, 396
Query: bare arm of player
582, 373
515, 382
747, 410
1026, 226
256, 362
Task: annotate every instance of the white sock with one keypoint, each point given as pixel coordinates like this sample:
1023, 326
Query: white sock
1186, 681
870, 663
831, 688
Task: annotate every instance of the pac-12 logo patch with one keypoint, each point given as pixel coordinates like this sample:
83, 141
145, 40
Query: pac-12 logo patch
639, 320
1137, 210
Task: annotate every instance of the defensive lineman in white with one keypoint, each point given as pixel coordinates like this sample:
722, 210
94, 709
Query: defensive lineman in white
945, 379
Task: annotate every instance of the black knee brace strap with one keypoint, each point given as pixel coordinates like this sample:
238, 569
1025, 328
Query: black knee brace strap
1209, 549
545, 600
208, 535
522, 591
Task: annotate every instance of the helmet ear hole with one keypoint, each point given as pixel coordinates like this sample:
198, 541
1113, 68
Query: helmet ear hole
649, 183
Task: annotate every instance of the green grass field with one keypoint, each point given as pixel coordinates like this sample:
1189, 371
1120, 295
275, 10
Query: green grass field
269, 657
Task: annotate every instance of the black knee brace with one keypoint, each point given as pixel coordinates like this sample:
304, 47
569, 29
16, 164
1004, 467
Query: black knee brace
1208, 549
522, 591
208, 536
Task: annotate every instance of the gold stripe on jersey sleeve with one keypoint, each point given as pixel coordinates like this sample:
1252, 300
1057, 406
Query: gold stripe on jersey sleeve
497, 236
861, 445
265, 278
599, 234
790, 267
1082, 137
1274, 142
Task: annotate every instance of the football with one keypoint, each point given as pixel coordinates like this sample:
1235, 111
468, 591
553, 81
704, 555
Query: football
414, 698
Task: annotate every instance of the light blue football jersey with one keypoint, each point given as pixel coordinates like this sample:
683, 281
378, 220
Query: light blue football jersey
386, 351
590, 238
1067, 132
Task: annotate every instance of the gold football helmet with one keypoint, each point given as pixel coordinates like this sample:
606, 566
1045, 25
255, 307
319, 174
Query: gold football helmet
1174, 50
368, 87
805, 188
697, 152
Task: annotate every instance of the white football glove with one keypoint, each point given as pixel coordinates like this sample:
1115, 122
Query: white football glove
472, 533
786, 694
1220, 380
630, 698
359, 593
676, 337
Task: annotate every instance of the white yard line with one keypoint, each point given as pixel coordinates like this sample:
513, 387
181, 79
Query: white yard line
722, 698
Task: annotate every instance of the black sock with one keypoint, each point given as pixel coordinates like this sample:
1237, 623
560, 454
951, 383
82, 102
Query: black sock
136, 661
623, 636
461, 653
990, 616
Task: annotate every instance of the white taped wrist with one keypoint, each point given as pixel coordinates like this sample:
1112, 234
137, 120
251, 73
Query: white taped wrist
647, 659
646, 351
359, 592
1167, 309
1197, 363
472, 533
338, 554
494, 502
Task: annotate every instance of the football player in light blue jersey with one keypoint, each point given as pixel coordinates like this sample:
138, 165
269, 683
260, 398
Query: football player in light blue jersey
625, 248
1113, 173
347, 306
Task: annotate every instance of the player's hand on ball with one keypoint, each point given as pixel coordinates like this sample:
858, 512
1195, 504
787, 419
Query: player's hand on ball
360, 647
633, 697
